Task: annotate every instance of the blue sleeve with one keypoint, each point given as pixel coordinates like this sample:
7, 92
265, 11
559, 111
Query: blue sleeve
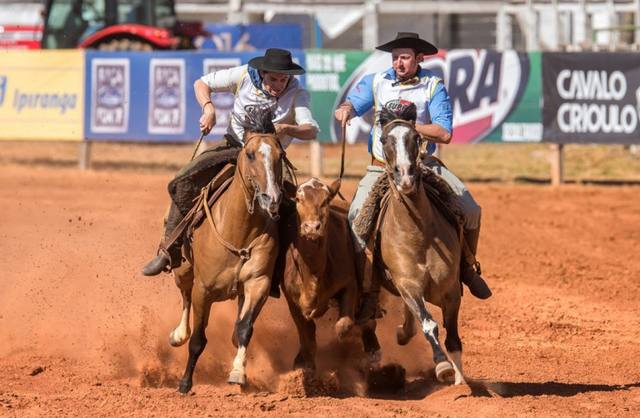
361, 96
440, 108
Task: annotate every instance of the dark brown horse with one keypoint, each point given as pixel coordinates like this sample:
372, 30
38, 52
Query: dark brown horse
419, 249
235, 248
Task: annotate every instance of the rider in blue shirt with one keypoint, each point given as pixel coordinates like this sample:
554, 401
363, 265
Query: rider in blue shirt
407, 81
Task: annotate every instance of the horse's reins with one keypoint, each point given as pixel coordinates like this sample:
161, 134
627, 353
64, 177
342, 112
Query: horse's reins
344, 141
243, 253
195, 150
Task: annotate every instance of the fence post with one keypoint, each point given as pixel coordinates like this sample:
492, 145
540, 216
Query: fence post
315, 155
557, 164
84, 155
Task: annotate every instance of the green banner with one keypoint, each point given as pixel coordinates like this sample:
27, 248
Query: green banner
327, 73
496, 96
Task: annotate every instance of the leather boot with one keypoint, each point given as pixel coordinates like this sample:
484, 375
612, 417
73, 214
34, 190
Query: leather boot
470, 275
167, 258
160, 263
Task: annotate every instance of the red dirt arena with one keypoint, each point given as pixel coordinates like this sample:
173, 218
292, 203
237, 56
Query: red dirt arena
85, 334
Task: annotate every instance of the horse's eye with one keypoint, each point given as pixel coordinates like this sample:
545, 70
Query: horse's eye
251, 156
383, 139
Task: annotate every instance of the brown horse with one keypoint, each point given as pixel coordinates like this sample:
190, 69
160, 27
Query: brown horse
419, 249
320, 267
235, 248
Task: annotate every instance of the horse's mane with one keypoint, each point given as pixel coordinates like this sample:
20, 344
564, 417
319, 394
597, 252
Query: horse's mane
257, 119
397, 109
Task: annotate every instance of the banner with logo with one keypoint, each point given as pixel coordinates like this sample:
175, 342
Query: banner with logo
148, 96
251, 37
41, 95
495, 95
591, 97
328, 72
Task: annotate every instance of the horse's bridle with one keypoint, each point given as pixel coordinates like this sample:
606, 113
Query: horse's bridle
387, 127
251, 198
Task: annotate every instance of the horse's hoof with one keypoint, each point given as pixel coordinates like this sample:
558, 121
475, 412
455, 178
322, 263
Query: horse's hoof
445, 372
300, 363
401, 336
237, 378
177, 341
184, 386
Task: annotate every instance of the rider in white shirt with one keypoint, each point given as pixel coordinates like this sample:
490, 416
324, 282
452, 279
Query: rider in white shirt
267, 81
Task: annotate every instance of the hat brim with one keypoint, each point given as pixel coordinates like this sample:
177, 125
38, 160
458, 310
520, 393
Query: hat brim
419, 45
291, 69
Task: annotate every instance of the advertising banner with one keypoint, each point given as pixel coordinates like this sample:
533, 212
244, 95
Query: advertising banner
41, 95
328, 71
591, 97
149, 97
495, 95
242, 38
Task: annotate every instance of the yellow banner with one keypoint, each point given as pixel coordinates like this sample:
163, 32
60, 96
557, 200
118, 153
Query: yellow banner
42, 95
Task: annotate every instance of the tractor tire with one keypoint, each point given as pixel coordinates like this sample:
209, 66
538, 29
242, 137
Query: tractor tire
125, 44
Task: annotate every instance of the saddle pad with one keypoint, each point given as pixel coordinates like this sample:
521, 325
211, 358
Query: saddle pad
438, 192
190, 180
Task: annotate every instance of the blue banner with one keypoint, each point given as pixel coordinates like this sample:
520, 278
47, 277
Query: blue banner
242, 38
149, 97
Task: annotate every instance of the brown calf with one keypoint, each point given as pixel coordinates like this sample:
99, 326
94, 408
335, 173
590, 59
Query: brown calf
320, 266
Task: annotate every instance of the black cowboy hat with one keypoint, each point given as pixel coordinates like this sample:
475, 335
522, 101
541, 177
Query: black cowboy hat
409, 40
276, 60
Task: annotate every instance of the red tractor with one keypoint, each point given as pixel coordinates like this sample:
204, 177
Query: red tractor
116, 25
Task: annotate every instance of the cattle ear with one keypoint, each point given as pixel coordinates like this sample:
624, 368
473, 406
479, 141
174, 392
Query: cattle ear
334, 188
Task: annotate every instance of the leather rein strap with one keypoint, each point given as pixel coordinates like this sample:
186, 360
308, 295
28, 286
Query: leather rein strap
243, 253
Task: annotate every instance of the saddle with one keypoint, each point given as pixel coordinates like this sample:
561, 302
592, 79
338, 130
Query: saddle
189, 181
367, 222
209, 194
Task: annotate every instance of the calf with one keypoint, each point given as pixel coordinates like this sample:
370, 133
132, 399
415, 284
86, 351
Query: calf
320, 265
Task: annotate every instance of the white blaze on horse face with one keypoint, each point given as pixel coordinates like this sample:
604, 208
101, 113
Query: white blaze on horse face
403, 162
272, 189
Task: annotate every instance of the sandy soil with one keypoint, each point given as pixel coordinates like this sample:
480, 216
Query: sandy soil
83, 333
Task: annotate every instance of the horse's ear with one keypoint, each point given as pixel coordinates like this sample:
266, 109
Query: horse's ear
423, 146
385, 116
334, 188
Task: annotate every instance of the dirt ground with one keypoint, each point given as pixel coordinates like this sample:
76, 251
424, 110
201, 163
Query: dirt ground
84, 333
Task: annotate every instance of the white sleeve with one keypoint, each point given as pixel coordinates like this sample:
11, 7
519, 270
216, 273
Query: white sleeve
225, 80
302, 111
